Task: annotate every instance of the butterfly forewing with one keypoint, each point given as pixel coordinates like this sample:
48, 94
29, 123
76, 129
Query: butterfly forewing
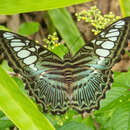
109, 44
78, 81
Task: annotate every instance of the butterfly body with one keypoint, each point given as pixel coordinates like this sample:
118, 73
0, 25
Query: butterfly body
78, 81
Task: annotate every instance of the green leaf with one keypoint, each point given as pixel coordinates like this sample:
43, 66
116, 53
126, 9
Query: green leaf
121, 117
19, 108
5, 66
125, 7
113, 97
74, 126
60, 50
4, 28
28, 28
73, 119
21, 6
67, 29
50, 26
4, 121
122, 80
116, 117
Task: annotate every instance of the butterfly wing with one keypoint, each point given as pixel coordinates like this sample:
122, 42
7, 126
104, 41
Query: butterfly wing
93, 63
40, 70
79, 82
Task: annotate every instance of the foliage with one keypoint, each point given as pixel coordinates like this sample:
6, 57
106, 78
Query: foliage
52, 41
4, 121
65, 25
4, 28
28, 28
23, 6
23, 107
125, 7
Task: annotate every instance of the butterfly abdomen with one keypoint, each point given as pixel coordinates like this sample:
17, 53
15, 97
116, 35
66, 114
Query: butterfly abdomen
68, 79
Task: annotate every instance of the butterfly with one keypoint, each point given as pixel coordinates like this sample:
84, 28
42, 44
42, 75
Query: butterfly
78, 82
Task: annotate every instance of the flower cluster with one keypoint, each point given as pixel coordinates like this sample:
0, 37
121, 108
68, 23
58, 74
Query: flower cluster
96, 19
52, 41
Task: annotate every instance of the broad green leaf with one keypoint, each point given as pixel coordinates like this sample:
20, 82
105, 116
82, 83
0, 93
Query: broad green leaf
20, 84
121, 117
5, 66
19, 108
65, 122
117, 117
60, 50
125, 7
4, 28
122, 80
67, 29
4, 121
113, 97
21, 6
28, 28
50, 26
74, 126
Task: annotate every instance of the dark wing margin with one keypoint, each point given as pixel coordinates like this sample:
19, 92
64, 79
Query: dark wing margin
38, 66
98, 58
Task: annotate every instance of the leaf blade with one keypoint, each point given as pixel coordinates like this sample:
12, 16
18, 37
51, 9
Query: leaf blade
18, 107
28, 28
67, 29
125, 7
22, 6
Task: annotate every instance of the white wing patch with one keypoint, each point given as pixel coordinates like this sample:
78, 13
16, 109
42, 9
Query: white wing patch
113, 30
16, 44
23, 53
120, 23
37, 47
102, 52
8, 35
17, 48
112, 34
99, 42
101, 60
108, 45
27, 42
118, 26
32, 66
43, 52
112, 38
32, 49
30, 60
102, 34
93, 41
16, 40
